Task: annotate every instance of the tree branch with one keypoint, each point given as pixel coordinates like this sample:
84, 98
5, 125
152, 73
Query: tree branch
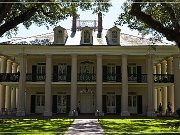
172, 16
4, 8
25, 16
171, 35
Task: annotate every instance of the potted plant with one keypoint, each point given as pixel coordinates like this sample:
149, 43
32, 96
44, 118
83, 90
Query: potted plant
178, 111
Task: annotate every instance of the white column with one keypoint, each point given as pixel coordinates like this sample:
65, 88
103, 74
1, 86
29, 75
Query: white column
8, 88
2, 87
159, 95
150, 81
99, 83
170, 89
22, 86
74, 83
13, 90
176, 61
164, 89
48, 95
155, 92
124, 100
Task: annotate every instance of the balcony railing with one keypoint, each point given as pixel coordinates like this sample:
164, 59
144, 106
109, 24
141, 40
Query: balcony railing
35, 77
140, 78
163, 78
9, 77
112, 77
86, 77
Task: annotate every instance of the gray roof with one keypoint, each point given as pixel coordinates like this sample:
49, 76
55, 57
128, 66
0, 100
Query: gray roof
75, 38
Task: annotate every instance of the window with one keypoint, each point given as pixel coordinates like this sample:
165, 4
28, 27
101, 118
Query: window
60, 35
111, 72
87, 36
41, 68
62, 69
114, 36
132, 69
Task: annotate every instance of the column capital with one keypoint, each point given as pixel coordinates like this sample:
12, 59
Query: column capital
9, 61
3, 58
99, 55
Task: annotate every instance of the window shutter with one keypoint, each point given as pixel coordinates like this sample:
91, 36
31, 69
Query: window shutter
68, 107
55, 73
139, 104
68, 75
139, 79
104, 73
104, 104
34, 71
54, 104
118, 74
33, 103
118, 104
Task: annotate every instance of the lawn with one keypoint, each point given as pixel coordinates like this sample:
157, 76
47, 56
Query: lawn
34, 126
140, 126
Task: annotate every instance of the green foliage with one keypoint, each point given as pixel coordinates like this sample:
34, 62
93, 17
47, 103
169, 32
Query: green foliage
166, 12
44, 12
140, 126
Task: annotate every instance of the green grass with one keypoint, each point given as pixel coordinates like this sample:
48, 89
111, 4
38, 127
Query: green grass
34, 126
140, 126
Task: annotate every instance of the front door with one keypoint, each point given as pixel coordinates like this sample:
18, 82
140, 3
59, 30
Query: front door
132, 104
40, 101
87, 103
61, 103
111, 103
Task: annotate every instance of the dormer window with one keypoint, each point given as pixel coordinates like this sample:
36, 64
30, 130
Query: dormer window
60, 35
114, 37
86, 36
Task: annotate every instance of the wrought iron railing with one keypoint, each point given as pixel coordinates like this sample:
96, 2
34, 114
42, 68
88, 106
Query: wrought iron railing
140, 78
9, 77
86, 77
59, 77
35, 77
163, 78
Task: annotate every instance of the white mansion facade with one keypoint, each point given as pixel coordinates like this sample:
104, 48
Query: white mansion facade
88, 68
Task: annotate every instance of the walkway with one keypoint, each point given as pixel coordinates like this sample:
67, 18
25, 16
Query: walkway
85, 127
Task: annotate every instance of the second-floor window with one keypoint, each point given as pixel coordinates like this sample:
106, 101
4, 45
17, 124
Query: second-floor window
86, 36
132, 69
41, 68
114, 36
111, 71
62, 68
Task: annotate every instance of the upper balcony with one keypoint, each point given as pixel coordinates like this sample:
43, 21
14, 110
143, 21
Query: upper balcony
89, 77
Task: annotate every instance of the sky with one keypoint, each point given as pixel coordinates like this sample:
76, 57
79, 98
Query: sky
108, 21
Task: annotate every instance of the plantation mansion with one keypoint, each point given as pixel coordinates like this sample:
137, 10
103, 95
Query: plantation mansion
88, 68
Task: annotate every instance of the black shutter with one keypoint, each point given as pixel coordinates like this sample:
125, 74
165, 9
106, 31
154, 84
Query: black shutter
139, 104
68, 75
104, 73
68, 103
139, 74
118, 74
118, 104
33, 103
34, 71
55, 73
54, 104
104, 104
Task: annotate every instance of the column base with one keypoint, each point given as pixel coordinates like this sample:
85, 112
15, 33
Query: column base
46, 113
73, 113
20, 113
151, 114
125, 113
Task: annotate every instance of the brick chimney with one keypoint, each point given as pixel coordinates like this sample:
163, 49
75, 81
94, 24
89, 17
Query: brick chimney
74, 23
99, 22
